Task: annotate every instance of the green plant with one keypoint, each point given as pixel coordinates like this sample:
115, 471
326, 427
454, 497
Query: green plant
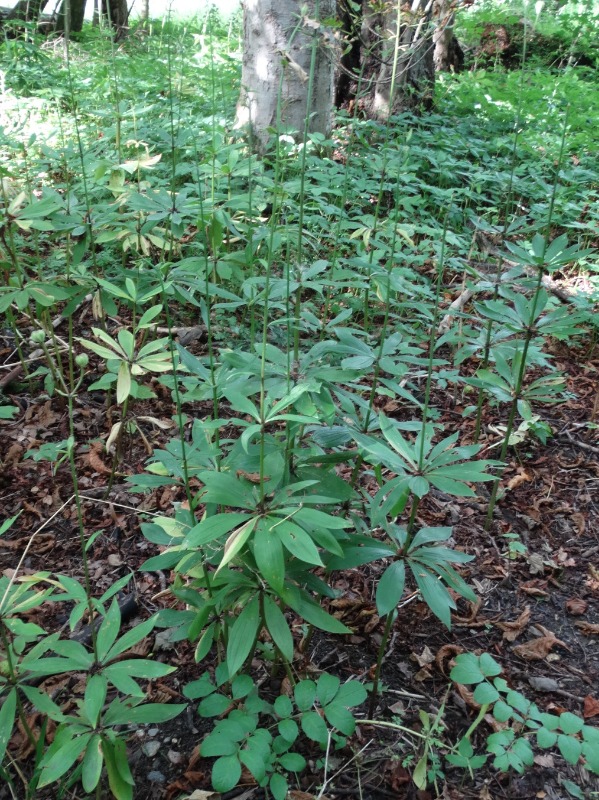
260, 735
524, 723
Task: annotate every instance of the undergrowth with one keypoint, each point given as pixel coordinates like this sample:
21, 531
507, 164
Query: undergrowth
294, 317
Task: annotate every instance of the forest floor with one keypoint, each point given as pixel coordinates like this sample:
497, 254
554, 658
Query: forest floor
536, 574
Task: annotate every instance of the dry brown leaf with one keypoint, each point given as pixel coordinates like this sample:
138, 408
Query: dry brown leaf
534, 588
591, 707
521, 477
252, 477
95, 461
425, 658
538, 649
444, 656
511, 630
588, 628
576, 606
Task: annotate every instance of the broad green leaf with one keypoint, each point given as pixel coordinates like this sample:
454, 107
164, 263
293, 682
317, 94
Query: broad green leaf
226, 772
326, 688
305, 694
297, 542
314, 726
212, 528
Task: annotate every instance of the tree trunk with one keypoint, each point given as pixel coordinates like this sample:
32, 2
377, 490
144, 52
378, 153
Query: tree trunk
288, 68
399, 63
27, 10
77, 12
144, 13
448, 55
117, 13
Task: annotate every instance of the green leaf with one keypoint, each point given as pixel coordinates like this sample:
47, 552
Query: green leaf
123, 383
108, 630
390, 587
545, 738
485, 694
243, 635
288, 730
283, 706
293, 762
92, 764
120, 787
268, 552
214, 705
94, 698
7, 719
131, 638
314, 726
254, 759
278, 785
434, 594
213, 528
351, 694
327, 687
340, 718
278, 628
488, 666
570, 723
63, 759
241, 686
569, 747
149, 713
305, 694
298, 542
312, 612
226, 772
467, 670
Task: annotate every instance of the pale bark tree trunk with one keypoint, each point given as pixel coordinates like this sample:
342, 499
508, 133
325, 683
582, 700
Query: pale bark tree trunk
281, 50
144, 13
399, 60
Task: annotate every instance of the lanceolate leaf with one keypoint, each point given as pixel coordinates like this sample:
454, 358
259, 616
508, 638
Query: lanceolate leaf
7, 718
243, 635
390, 587
278, 628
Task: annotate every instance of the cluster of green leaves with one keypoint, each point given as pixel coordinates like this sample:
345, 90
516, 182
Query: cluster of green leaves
94, 736
260, 735
524, 723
